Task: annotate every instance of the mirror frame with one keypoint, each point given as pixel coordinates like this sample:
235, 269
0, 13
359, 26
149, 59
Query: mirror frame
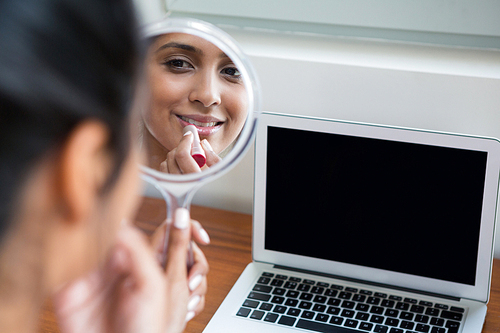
230, 47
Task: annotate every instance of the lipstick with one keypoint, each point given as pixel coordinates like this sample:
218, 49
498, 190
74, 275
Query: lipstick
196, 151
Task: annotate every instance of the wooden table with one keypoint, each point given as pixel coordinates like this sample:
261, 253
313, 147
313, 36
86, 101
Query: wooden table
228, 255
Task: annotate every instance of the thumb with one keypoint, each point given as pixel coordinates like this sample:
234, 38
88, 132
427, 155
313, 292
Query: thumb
178, 242
212, 157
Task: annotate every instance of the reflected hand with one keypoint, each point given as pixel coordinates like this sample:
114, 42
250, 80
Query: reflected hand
180, 161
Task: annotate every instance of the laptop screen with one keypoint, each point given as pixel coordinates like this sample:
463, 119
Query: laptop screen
404, 207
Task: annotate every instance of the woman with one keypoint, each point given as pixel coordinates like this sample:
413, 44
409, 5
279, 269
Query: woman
69, 178
192, 82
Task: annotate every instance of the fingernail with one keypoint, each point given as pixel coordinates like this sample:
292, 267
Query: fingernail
189, 316
118, 259
187, 133
204, 236
195, 282
193, 302
181, 218
207, 145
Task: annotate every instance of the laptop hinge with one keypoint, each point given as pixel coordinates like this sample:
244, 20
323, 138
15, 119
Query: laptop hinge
426, 293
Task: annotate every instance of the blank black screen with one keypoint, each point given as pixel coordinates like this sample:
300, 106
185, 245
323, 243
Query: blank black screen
404, 207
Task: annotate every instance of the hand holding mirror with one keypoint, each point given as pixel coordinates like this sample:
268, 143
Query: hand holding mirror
201, 105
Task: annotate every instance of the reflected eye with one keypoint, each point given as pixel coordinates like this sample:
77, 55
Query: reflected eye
232, 72
178, 64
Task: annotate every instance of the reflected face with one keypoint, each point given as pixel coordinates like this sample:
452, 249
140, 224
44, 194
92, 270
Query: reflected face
191, 81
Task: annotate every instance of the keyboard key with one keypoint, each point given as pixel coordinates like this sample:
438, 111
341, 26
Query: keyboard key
277, 282
319, 299
294, 279
322, 317
437, 321
407, 325
292, 294
387, 303
319, 327
264, 280
425, 303
438, 330
308, 314
422, 319
380, 295
322, 284
333, 310
290, 285
365, 326
286, 320
305, 305
348, 304
362, 316
293, 312
278, 300
362, 307
366, 292
336, 320
256, 314
347, 313
441, 306
406, 315
291, 302
279, 291
396, 298
259, 296
334, 286
306, 296
271, 317
319, 308
331, 292
457, 309
417, 309
452, 325
392, 322
345, 295
432, 312
262, 288
351, 290
280, 309
451, 315
422, 328
377, 319
243, 312
333, 301
396, 330
392, 313
359, 298
381, 329
266, 306
251, 304
282, 277
318, 290
266, 274
373, 300
351, 323
311, 282
402, 306
377, 310
303, 287
411, 300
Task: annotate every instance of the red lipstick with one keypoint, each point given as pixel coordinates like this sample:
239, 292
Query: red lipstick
196, 151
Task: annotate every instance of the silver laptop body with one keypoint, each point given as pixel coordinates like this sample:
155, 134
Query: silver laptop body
366, 228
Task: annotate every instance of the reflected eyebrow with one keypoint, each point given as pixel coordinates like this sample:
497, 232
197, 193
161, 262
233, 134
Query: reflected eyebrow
223, 55
181, 46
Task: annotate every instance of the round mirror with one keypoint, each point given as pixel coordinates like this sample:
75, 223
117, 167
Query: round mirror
201, 101
199, 105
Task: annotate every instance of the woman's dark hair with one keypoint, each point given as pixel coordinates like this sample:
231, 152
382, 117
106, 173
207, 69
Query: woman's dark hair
61, 62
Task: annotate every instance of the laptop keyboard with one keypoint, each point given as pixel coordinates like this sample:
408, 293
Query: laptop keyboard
330, 308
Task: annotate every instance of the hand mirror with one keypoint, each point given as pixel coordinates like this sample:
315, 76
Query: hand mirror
201, 102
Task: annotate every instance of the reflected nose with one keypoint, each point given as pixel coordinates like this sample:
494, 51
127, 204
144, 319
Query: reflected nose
206, 91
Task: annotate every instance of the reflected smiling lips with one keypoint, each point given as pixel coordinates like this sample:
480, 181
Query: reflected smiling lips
205, 125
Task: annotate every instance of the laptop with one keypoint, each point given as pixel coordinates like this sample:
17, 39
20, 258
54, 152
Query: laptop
366, 228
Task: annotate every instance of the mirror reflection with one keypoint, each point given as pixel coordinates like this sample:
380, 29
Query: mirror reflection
196, 104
